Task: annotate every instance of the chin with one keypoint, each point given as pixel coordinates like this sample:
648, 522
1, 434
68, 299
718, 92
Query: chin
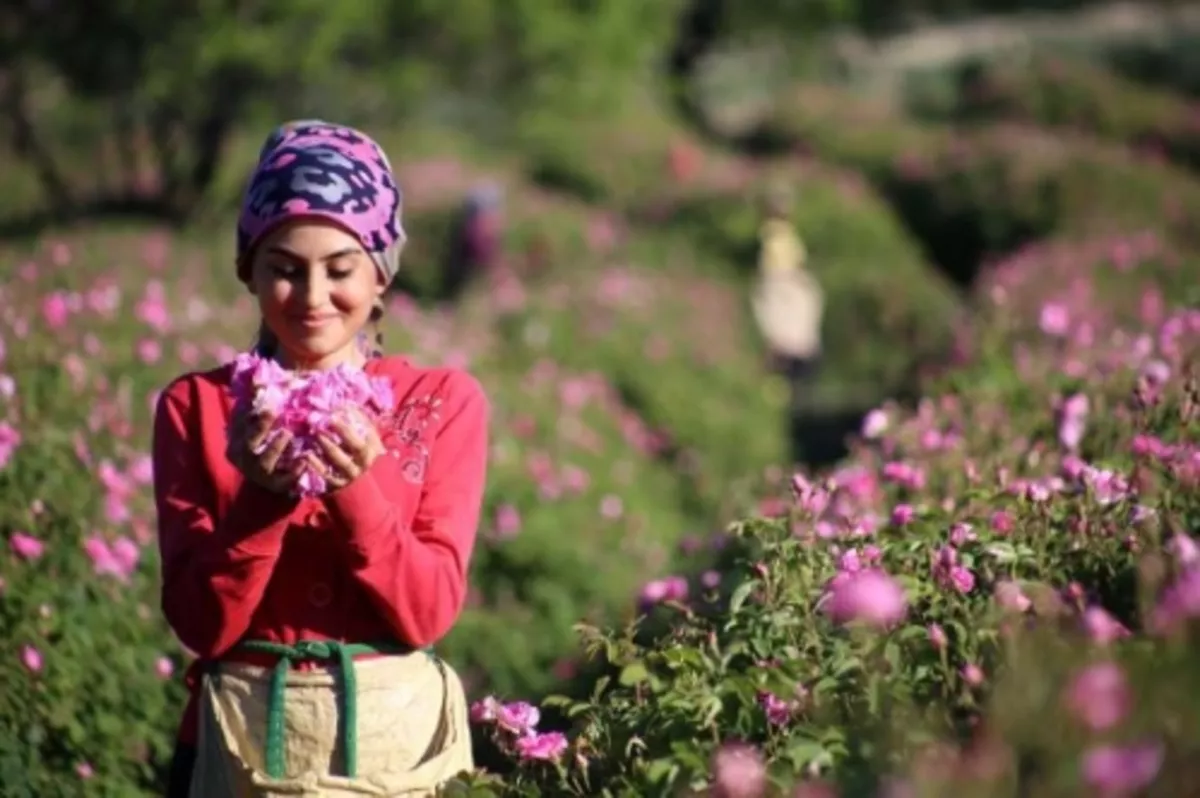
316, 351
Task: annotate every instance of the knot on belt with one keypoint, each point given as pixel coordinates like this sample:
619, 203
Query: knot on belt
315, 650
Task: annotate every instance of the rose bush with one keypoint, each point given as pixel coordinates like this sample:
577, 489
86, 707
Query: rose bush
1022, 546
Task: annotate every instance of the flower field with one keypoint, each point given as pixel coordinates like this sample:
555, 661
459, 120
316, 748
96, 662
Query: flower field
984, 578
1004, 574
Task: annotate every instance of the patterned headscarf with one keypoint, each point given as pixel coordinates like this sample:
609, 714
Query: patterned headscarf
312, 168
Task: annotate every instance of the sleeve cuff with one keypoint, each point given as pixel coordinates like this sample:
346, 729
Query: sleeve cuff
362, 508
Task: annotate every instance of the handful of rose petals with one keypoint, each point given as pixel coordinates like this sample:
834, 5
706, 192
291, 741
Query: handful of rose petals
306, 404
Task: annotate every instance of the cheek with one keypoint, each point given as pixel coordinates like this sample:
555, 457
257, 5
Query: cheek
354, 298
273, 296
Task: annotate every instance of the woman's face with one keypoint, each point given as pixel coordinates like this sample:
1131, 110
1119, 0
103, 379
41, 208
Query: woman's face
315, 286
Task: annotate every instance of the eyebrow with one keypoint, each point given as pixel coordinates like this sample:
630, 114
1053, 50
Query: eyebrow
341, 253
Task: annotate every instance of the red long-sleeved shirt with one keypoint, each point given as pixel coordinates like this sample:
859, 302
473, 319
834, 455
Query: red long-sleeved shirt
384, 558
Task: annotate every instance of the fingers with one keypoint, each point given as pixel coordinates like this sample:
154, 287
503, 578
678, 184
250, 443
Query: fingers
280, 480
351, 440
259, 428
363, 448
344, 452
331, 476
314, 463
285, 481
278, 445
341, 460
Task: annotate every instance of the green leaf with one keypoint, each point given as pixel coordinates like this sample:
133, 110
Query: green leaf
662, 770
802, 752
634, 673
1002, 552
740, 595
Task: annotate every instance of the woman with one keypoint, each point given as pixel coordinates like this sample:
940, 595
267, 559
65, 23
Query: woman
308, 615
787, 300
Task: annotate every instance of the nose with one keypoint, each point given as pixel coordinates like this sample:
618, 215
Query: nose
315, 290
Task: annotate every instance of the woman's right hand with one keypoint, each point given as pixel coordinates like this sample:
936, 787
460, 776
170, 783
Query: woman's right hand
257, 463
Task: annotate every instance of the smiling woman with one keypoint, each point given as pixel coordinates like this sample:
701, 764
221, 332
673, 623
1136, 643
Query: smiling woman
317, 289
305, 600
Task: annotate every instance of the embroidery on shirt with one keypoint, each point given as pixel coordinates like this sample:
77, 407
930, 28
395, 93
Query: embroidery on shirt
406, 429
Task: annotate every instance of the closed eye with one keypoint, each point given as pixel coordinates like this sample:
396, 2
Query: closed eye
292, 271
339, 265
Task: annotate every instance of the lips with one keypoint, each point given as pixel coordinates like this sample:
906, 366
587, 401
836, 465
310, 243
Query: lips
314, 321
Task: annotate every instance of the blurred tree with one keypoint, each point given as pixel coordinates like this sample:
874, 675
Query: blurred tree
567, 55
164, 83
705, 26
176, 77
172, 78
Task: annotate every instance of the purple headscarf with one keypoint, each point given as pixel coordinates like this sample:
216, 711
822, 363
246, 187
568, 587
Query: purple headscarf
312, 168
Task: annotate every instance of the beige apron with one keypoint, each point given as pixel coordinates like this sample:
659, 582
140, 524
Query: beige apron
412, 731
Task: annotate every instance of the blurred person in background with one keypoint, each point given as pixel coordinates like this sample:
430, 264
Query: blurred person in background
786, 299
475, 241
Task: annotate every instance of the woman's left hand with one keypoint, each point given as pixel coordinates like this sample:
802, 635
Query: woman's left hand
347, 460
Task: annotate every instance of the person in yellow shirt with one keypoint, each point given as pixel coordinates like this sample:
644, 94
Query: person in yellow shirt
786, 300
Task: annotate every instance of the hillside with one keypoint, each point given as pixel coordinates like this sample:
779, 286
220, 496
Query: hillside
634, 417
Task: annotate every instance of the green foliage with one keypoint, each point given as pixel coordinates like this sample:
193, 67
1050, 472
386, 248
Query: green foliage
968, 193
973, 690
557, 57
179, 77
1052, 92
104, 697
874, 274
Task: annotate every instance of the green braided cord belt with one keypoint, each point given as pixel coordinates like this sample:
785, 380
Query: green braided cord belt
325, 650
